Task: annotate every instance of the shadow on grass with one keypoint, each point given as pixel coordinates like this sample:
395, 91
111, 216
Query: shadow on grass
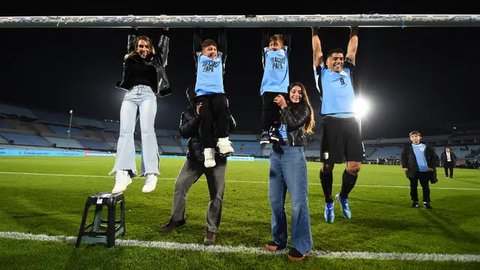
451, 222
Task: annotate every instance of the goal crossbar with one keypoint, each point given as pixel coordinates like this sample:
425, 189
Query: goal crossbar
244, 21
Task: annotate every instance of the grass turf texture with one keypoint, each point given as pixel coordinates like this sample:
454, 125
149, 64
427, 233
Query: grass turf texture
46, 195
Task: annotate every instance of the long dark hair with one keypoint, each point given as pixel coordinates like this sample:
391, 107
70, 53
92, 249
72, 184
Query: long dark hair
304, 101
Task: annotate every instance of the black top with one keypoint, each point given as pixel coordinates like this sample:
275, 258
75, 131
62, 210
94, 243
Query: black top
141, 71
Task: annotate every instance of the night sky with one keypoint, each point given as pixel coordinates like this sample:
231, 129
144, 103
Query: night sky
416, 78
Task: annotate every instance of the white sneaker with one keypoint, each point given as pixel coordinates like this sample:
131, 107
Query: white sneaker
224, 146
209, 154
150, 183
122, 180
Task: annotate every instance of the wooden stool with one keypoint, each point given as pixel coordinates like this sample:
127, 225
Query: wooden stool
100, 230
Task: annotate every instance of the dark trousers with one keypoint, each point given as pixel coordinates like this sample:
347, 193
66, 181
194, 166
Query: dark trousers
270, 111
448, 166
213, 118
423, 178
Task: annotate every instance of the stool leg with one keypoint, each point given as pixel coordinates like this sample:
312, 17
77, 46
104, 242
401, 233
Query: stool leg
81, 231
122, 216
97, 220
111, 224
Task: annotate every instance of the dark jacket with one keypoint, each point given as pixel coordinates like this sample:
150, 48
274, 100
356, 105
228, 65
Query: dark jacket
443, 159
294, 122
190, 129
409, 161
159, 60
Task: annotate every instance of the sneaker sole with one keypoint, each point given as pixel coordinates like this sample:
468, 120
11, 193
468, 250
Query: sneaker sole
325, 216
273, 248
148, 190
210, 164
297, 259
329, 221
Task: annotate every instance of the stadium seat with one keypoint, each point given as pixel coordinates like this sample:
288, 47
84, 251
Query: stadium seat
100, 230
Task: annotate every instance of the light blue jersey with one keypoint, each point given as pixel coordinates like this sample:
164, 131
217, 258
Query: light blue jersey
419, 151
283, 131
209, 75
275, 71
336, 89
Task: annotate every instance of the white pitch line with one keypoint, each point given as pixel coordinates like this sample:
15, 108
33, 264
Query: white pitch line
230, 180
256, 250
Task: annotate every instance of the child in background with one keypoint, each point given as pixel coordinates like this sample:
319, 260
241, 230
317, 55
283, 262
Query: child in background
419, 161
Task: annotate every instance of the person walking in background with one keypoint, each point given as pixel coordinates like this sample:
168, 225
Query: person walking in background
210, 92
191, 171
144, 78
419, 161
449, 161
339, 130
275, 81
288, 171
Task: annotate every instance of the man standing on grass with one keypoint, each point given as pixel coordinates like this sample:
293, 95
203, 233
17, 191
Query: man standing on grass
191, 171
448, 160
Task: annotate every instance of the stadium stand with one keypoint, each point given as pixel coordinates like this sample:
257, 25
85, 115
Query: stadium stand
63, 130
111, 126
65, 143
22, 139
22, 127
9, 110
53, 118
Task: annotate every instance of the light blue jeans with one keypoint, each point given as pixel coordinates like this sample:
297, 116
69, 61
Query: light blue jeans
288, 171
141, 98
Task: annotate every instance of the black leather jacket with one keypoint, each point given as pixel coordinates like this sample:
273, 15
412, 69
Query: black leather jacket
159, 60
294, 122
190, 129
